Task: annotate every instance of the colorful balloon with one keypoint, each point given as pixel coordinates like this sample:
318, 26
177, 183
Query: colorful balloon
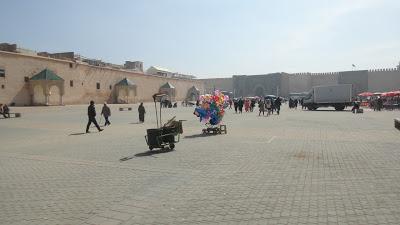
211, 108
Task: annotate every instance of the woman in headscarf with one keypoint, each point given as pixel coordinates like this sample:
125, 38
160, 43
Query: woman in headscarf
141, 111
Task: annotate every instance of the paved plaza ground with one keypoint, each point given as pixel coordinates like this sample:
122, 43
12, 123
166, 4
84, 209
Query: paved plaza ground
302, 167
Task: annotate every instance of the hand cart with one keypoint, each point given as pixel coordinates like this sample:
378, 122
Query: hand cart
168, 134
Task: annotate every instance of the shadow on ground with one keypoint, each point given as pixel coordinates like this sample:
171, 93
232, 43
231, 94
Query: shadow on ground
147, 153
73, 134
199, 135
328, 110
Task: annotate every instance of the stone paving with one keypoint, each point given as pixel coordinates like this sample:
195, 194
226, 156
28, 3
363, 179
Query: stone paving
301, 167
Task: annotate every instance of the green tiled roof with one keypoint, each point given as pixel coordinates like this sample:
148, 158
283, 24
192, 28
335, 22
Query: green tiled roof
126, 82
46, 74
167, 85
193, 88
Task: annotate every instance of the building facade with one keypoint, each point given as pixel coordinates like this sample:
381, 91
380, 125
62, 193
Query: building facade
81, 82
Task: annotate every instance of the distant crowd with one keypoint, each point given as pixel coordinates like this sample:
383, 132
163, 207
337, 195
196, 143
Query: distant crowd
268, 105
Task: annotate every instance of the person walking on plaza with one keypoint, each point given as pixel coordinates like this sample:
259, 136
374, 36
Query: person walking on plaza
379, 104
246, 105
268, 105
261, 107
252, 105
356, 106
235, 104
240, 104
278, 104
92, 117
106, 112
141, 111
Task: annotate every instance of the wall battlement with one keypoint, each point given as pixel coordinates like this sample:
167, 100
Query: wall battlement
316, 74
384, 70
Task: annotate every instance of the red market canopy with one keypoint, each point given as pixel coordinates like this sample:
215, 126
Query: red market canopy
391, 94
366, 94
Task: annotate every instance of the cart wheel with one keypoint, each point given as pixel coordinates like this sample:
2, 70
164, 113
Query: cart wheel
171, 146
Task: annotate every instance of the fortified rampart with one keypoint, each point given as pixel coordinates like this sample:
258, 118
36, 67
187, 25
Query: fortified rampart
212, 84
379, 80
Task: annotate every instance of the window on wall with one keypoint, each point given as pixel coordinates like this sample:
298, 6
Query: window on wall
70, 65
110, 87
2, 73
71, 83
2, 86
98, 86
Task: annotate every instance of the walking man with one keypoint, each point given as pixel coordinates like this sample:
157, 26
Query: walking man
278, 104
141, 111
268, 105
235, 104
106, 112
240, 104
261, 106
92, 117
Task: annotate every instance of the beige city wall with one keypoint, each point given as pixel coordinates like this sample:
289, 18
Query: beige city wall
223, 84
299, 83
383, 80
84, 77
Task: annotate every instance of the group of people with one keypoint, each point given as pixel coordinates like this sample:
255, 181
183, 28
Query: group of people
106, 113
270, 105
5, 111
238, 104
168, 104
376, 104
293, 103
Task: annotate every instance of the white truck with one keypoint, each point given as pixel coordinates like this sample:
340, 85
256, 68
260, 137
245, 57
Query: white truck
337, 96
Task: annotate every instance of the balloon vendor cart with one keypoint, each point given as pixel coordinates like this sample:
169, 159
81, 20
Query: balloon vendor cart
165, 134
211, 110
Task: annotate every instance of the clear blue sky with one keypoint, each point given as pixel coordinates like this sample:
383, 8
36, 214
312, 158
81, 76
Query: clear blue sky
213, 38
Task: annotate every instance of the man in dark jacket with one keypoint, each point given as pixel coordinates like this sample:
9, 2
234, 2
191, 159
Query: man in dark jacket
92, 117
278, 104
106, 112
240, 105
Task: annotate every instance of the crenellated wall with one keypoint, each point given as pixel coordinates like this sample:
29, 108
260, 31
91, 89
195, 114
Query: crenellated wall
382, 80
283, 83
84, 78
